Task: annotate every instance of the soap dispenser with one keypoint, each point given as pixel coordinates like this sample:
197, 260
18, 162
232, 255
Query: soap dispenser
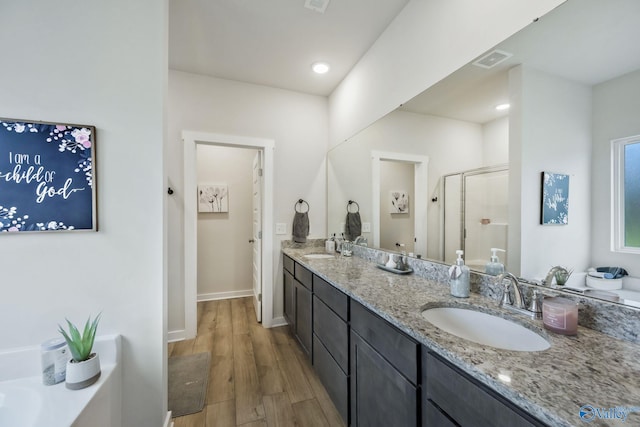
459, 277
494, 267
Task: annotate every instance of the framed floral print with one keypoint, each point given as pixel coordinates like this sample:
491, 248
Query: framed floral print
213, 198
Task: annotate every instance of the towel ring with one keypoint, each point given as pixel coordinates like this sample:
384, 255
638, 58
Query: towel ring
301, 203
351, 202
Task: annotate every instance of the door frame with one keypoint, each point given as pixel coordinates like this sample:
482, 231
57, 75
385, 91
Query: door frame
190, 140
420, 178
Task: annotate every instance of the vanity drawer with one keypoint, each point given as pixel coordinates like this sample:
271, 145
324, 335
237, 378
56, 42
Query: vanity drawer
332, 377
433, 416
304, 276
332, 331
333, 298
467, 402
287, 263
400, 350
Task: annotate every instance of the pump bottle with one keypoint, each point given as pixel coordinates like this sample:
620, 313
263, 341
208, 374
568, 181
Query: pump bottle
459, 277
494, 267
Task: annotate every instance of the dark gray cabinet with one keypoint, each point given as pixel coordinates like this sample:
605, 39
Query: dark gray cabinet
331, 342
303, 313
380, 394
453, 398
289, 298
298, 285
384, 372
332, 377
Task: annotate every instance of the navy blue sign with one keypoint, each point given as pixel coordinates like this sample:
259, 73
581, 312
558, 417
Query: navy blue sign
47, 178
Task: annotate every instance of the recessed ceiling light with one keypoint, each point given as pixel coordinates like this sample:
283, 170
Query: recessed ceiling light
502, 107
320, 67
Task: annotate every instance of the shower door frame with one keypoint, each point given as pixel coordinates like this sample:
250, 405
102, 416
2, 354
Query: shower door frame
463, 174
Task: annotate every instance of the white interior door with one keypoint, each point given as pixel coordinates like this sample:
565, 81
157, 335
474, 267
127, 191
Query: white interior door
256, 238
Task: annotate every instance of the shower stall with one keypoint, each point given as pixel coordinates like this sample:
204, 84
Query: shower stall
475, 213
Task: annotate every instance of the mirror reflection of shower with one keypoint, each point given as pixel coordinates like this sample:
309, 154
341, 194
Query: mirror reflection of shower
476, 210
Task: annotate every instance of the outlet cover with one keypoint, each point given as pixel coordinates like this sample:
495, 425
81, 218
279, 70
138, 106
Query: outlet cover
366, 227
342, 224
281, 228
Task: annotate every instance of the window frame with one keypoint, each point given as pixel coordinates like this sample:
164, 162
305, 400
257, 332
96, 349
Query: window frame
617, 187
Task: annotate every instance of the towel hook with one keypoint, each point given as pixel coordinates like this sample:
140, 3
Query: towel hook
351, 202
301, 203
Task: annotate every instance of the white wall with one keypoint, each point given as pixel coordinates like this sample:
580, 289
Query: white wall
224, 251
104, 64
297, 122
394, 227
550, 130
495, 142
616, 108
426, 42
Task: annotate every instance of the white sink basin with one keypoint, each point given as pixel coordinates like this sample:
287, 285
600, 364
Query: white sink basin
485, 329
319, 256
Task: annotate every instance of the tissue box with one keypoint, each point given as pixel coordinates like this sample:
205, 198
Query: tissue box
604, 284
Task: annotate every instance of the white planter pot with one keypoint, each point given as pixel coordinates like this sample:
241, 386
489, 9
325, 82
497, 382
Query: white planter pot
83, 374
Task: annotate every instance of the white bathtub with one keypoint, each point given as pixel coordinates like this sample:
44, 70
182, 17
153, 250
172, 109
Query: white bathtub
26, 402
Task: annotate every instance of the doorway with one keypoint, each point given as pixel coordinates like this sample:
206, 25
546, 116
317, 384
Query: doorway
263, 267
420, 164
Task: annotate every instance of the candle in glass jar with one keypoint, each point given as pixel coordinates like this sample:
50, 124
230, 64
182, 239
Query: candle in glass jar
560, 315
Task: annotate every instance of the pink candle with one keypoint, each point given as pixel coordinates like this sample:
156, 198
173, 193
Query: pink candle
560, 315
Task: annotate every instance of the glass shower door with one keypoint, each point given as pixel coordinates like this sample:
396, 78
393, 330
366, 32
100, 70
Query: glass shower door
485, 216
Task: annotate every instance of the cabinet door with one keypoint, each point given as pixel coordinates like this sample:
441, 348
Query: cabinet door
380, 395
334, 380
396, 347
332, 331
303, 320
289, 299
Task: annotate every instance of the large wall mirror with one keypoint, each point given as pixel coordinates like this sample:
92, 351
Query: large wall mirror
482, 164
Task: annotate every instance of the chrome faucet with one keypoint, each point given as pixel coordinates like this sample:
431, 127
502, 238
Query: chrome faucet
506, 295
549, 278
519, 304
360, 240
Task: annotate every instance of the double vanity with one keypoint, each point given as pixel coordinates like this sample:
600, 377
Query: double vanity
372, 338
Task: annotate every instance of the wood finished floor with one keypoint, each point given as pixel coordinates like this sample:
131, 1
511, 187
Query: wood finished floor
257, 377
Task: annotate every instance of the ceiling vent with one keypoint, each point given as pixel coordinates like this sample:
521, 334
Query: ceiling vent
317, 5
492, 59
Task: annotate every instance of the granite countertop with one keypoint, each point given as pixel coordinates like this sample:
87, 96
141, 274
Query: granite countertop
588, 369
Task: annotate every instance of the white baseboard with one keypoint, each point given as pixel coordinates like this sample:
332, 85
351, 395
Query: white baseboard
279, 321
167, 420
225, 295
178, 335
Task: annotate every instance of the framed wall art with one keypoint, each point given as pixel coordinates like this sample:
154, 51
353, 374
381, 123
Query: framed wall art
554, 208
47, 176
399, 202
213, 198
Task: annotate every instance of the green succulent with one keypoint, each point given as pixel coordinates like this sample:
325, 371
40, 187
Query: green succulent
81, 345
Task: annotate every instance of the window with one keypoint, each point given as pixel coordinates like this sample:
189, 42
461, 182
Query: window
626, 194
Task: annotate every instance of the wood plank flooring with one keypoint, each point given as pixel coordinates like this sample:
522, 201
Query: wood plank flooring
258, 376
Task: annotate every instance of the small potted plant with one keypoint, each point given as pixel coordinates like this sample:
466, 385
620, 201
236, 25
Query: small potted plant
84, 367
562, 275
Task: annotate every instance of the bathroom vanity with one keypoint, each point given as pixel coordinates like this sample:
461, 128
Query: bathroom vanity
383, 363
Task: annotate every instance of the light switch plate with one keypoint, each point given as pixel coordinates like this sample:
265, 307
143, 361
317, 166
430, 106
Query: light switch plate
281, 228
366, 227
342, 224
